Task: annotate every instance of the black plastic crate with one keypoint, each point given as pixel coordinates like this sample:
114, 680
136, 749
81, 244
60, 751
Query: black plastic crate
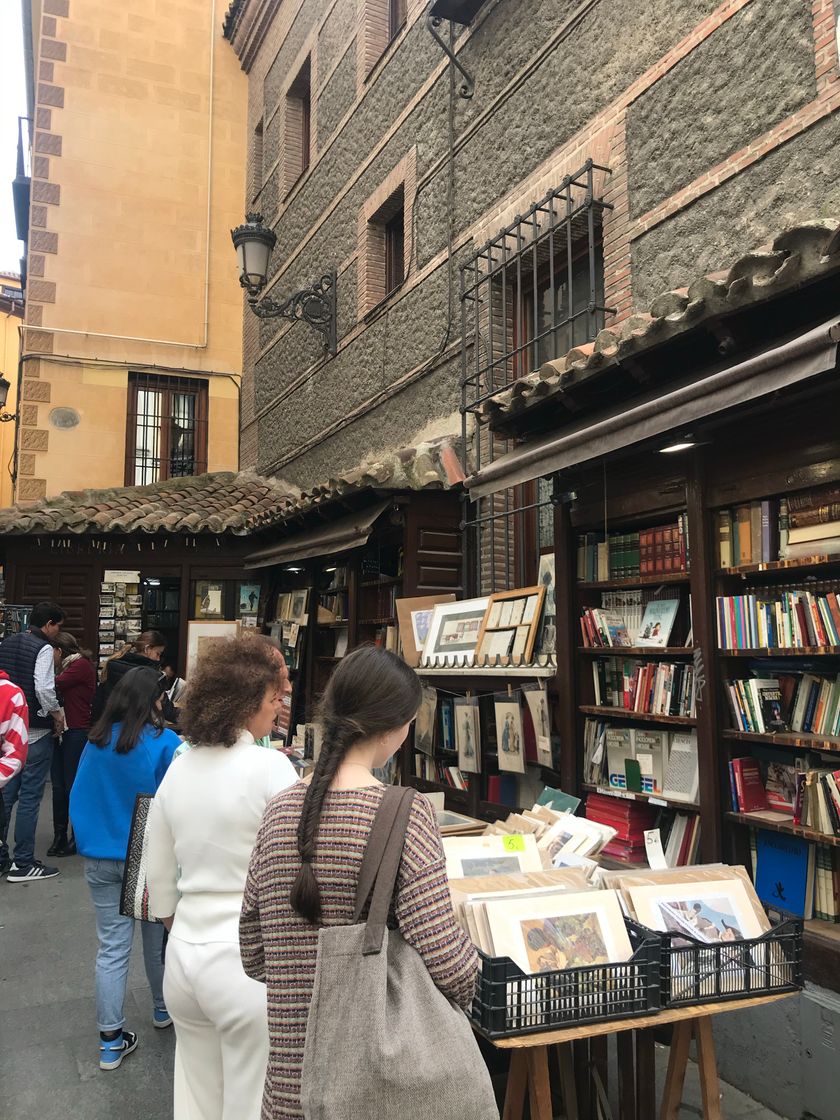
510, 1002
694, 972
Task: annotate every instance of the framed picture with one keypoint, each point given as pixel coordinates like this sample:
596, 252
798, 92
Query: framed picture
509, 632
424, 724
490, 855
453, 632
547, 637
107, 588
536, 698
201, 634
297, 605
446, 707
414, 617
467, 734
714, 912
509, 733
568, 929
209, 599
249, 598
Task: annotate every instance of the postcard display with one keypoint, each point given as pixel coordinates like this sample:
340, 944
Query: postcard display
289, 629
120, 612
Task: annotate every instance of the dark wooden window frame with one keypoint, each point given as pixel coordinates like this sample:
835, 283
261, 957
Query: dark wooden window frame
395, 250
167, 386
396, 18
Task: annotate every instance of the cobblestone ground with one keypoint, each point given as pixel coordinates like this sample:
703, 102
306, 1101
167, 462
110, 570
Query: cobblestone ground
49, 1061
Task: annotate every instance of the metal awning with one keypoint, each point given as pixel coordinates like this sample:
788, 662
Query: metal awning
779, 368
325, 540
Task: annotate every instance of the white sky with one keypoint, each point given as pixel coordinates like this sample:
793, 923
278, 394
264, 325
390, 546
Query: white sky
12, 106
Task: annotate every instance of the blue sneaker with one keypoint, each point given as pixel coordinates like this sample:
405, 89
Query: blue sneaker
161, 1018
113, 1050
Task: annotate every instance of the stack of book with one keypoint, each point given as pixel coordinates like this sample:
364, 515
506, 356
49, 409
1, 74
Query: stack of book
786, 702
652, 687
786, 617
808, 795
660, 550
814, 520
432, 771
630, 819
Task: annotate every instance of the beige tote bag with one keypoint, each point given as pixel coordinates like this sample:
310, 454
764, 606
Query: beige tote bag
382, 1040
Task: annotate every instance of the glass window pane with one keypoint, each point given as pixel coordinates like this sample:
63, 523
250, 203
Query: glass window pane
182, 435
147, 437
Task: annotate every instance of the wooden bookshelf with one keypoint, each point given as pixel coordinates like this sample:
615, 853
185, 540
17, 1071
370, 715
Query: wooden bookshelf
635, 795
633, 582
755, 820
636, 651
780, 567
794, 651
641, 717
801, 739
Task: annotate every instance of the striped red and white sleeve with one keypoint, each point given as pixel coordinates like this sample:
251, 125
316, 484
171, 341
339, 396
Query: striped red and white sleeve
14, 731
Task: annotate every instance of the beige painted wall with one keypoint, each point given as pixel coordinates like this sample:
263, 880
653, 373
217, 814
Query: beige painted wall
138, 177
9, 349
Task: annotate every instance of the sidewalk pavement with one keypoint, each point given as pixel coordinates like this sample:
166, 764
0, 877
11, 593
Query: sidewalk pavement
49, 1057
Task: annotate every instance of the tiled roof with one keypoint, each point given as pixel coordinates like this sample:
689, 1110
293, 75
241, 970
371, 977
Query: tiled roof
227, 502
222, 502
803, 253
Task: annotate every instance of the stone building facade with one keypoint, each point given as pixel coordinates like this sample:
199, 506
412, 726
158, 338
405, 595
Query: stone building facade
716, 118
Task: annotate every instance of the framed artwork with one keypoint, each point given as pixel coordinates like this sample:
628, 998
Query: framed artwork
547, 637
536, 698
490, 855
209, 599
715, 911
467, 734
424, 724
414, 617
509, 631
297, 605
569, 929
509, 733
453, 632
200, 634
249, 598
446, 707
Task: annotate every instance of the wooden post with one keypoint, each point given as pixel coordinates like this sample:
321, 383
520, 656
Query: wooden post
626, 1076
516, 1085
539, 1084
565, 643
675, 1077
709, 1084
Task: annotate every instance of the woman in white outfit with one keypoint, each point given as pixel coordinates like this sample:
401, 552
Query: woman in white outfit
203, 824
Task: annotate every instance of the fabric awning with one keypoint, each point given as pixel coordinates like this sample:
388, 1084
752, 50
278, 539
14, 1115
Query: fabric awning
327, 539
794, 361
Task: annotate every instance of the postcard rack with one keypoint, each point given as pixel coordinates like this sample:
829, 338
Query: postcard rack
508, 1002
693, 972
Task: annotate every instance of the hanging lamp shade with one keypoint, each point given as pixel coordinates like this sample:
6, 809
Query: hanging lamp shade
253, 243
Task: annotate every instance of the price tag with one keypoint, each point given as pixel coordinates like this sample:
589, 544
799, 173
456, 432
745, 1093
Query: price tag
514, 843
623, 793
653, 848
657, 801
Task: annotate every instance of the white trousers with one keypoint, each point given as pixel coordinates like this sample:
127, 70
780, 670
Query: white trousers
221, 1026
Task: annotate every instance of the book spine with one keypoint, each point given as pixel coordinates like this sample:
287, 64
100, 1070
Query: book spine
784, 527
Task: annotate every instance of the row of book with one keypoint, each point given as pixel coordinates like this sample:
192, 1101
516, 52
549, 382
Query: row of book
664, 688
432, 771
334, 604
653, 762
809, 795
387, 637
380, 602
647, 552
790, 618
814, 523
679, 831
602, 627
786, 702
793, 527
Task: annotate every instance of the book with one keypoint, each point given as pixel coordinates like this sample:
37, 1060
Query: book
780, 786
742, 534
724, 535
748, 785
682, 776
815, 532
651, 753
658, 622
785, 872
619, 748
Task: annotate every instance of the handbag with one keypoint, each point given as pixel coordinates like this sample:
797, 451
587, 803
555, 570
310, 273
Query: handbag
381, 1039
134, 896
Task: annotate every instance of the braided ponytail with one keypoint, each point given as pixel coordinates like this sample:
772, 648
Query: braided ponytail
371, 692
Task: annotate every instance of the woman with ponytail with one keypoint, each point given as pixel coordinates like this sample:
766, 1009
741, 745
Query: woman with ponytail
305, 866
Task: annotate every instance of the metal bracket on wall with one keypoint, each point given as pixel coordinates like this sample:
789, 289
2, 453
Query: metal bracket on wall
315, 306
467, 86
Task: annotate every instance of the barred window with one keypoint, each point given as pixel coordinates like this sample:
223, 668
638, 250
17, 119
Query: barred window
166, 430
298, 135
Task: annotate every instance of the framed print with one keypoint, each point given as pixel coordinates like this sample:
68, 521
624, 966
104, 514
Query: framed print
424, 724
200, 634
509, 734
468, 734
490, 855
446, 707
414, 617
505, 638
107, 588
537, 700
209, 599
453, 634
249, 598
547, 636
297, 605
714, 911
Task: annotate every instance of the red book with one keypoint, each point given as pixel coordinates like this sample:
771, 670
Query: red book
748, 785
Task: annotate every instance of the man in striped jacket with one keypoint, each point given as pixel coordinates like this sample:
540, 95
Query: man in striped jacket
14, 735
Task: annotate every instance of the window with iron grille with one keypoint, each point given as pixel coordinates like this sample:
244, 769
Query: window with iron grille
166, 430
529, 295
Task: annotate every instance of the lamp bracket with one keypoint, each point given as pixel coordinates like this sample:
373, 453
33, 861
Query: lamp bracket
467, 86
315, 306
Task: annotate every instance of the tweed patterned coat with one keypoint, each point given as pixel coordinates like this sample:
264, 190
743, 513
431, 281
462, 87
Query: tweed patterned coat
279, 947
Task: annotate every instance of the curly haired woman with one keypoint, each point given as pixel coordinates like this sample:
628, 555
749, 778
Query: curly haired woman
203, 824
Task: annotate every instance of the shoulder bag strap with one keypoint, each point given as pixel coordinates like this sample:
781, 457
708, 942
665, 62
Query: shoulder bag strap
386, 878
376, 846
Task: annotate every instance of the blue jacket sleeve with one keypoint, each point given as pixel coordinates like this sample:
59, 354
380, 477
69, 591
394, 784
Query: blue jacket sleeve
168, 744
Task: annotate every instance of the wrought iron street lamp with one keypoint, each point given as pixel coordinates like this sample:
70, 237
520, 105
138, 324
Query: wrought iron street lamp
5, 386
316, 305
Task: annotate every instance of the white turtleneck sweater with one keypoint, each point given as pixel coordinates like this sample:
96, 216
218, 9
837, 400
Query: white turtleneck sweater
202, 827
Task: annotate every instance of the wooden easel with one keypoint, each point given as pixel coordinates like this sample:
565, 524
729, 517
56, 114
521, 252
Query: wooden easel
579, 1051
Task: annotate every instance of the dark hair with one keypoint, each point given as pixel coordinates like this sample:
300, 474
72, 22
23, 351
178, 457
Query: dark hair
226, 688
371, 692
42, 613
148, 639
66, 642
132, 704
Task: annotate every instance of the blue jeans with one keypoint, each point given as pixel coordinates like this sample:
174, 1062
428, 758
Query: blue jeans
116, 933
27, 789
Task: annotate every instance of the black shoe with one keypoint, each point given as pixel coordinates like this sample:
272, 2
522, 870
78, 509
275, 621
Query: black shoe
30, 872
5, 864
59, 845
70, 850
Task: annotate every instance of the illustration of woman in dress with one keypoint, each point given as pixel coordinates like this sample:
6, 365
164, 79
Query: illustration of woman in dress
506, 733
468, 743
